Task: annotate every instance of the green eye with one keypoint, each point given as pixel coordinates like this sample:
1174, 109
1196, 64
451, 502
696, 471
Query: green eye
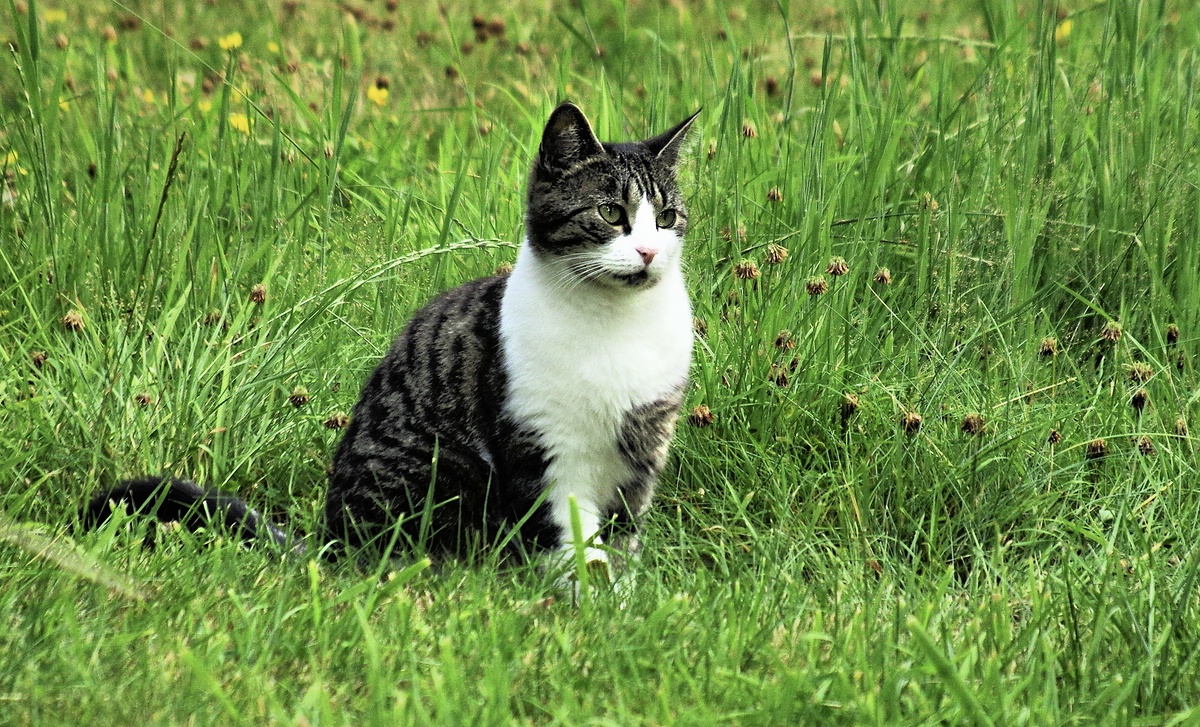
666, 219
611, 213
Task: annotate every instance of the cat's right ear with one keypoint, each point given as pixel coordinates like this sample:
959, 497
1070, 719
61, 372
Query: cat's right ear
567, 140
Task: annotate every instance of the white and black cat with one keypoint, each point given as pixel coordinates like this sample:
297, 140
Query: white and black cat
507, 396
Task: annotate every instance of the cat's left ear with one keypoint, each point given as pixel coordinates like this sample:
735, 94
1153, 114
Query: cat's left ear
666, 145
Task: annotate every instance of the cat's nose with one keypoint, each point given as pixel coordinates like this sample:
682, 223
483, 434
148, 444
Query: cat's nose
647, 254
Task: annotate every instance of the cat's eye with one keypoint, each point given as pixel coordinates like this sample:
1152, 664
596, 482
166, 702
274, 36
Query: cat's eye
665, 219
611, 213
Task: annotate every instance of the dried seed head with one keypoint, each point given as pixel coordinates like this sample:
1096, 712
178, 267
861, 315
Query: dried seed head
73, 320
1181, 428
745, 270
928, 202
883, 276
778, 376
712, 148
749, 130
784, 340
61, 41
504, 268
337, 420
1096, 449
700, 327
837, 267
973, 424
701, 416
1111, 332
771, 85
774, 195
1140, 373
849, 405
1145, 446
1138, 401
910, 421
109, 34
299, 397
816, 285
1172, 334
451, 72
1055, 437
776, 254
38, 358
144, 399
258, 293
214, 318
1180, 362
1049, 347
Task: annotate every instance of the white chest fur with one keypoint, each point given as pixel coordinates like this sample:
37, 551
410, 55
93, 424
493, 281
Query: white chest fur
579, 358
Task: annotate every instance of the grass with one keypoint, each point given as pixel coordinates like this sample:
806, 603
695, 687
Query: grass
818, 554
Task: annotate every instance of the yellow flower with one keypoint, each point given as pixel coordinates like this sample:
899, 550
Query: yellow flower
378, 95
55, 16
62, 104
272, 46
241, 122
231, 41
1063, 31
9, 159
205, 106
148, 96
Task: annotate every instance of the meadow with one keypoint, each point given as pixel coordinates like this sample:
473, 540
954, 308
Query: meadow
937, 463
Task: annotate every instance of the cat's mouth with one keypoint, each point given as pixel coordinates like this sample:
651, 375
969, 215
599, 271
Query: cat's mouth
634, 280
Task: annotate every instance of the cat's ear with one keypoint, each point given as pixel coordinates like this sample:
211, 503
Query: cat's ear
568, 139
666, 145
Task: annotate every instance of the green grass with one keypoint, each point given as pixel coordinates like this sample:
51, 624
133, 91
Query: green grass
1024, 170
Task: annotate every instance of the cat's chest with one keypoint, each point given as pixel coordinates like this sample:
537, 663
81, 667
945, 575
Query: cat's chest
579, 367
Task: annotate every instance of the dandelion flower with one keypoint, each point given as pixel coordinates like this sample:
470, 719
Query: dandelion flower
230, 42
204, 105
55, 16
241, 122
378, 95
272, 46
1063, 31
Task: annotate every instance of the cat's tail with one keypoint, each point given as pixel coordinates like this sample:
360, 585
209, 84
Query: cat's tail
170, 499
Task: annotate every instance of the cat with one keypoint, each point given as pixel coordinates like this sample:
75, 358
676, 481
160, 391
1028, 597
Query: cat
510, 397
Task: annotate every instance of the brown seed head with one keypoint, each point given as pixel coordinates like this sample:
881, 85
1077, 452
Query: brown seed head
497, 27
816, 285
451, 72
129, 22
784, 340
1096, 449
38, 358
849, 405
973, 424
504, 268
774, 195
144, 399
883, 276
771, 84
745, 270
337, 420
701, 416
258, 293
700, 327
299, 397
1181, 428
1140, 373
1139, 400
60, 41
73, 320
1111, 332
749, 130
778, 376
1055, 437
837, 267
776, 254
910, 421
109, 34
1145, 446
1049, 347
1172, 334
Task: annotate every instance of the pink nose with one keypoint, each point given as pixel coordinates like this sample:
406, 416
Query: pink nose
647, 254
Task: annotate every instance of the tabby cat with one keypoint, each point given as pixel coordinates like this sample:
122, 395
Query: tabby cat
505, 398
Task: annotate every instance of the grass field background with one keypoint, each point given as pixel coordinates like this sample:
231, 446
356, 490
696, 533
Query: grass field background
948, 481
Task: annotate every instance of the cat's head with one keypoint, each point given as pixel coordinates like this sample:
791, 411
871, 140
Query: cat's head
609, 214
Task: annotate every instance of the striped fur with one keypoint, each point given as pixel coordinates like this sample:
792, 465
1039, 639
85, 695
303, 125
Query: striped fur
506, 398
